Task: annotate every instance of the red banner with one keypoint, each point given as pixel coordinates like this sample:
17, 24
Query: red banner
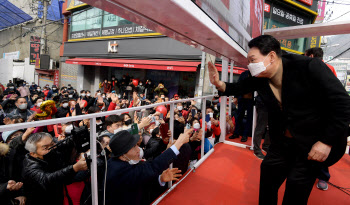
56, 78
308, 2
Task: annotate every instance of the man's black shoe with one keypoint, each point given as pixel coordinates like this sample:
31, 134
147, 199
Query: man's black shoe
259, 155
244, 139
233, 136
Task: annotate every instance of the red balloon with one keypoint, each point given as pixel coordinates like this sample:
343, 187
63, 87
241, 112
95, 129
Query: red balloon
162, 109
85, 102
135, 82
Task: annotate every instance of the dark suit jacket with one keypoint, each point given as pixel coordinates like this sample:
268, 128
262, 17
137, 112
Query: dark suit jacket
125, 182
315, 105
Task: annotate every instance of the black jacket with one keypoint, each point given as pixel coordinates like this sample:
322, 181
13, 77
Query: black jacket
43, 186
155, 146
125, 182
315, 105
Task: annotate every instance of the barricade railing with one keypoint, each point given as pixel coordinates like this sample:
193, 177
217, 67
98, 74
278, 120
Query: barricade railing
93, 134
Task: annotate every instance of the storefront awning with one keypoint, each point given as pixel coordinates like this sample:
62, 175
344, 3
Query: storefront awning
236, 70
186, 66
45, 71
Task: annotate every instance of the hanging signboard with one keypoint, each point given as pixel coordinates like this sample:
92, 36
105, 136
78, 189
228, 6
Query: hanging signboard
56, 78
34, 49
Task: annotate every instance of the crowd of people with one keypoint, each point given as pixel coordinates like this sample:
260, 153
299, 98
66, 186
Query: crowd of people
47, 164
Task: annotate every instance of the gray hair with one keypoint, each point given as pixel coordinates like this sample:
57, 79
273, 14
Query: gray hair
35, 138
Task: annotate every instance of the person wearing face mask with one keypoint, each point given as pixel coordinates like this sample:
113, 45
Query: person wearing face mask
82, 95
90, 100
180, 108
39, 92
63, 110
22, 109
127, 120
127, 178
43, 182
11, 89
304, 136
52, 92
69, 87
37, 102
140, 88
33, 87
106, 86
116, 85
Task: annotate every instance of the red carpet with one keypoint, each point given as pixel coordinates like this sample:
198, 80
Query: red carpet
231, 176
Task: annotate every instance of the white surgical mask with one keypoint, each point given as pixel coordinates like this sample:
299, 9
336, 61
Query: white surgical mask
54, 88
83, 94
88, 94
141, 153
65, 105
150, 131
38, 90
22, 106
197, 126
118, 130
103, 96
38, 104
70, 96
179, 108
132, 162
11, 87
98, 93
68, 129
257, 68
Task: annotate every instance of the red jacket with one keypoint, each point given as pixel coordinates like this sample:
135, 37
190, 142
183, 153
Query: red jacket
216, 129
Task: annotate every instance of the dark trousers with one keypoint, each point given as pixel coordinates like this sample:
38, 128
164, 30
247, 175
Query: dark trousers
261, 129
324, 174
286, 160
241, 128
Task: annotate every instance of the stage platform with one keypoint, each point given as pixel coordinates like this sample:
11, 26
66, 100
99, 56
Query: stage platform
231, 176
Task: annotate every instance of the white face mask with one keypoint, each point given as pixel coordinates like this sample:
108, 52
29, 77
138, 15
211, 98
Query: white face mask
38, 104
98, 93
83, 94
179, 108
141, 153
257, 68
118, 130
38, 90
68, 129
88, 94
65, 105
12, 87
70, 96
54, 88
150, 131
132, 162
103, 96
22, 106
197, 126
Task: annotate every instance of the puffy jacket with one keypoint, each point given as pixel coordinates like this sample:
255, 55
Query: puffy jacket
42, 185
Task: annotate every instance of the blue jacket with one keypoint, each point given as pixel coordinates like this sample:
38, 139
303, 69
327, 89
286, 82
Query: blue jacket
125, 182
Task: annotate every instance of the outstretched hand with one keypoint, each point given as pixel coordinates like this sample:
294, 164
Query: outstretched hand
170, 175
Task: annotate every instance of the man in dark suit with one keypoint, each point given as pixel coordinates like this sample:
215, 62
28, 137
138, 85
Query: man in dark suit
127, 177
304, 135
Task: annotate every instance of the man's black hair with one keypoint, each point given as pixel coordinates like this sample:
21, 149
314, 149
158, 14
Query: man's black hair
93, 109
266, 44
155, 132
317, 52
82, 91
19, 97
112, 119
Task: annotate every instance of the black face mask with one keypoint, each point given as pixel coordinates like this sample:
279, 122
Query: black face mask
128, 122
